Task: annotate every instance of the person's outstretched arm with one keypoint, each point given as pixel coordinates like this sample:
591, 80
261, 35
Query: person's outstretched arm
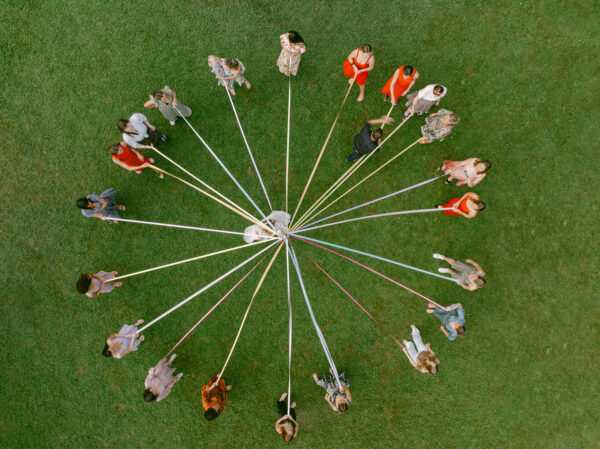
476, 265
149, 104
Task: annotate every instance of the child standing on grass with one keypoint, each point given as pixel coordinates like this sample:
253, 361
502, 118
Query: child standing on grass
452, 319
92, 284
421, 356
126, 341
228, 72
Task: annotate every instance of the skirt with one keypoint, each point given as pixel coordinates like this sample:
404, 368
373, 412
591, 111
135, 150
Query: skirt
420, 106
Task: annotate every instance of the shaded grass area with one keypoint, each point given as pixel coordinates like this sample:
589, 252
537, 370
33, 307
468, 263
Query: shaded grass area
523, 376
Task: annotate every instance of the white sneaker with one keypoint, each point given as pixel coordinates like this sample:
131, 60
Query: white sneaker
438, 256
444, 270
172, 123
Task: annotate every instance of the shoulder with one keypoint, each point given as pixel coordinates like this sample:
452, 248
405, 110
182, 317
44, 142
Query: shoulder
138, 116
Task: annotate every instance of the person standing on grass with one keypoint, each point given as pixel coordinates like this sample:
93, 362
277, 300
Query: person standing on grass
470, 171
438, 125
214, 397
337, 399
100, 206
126, 341
130, 159
468, 274
400, 83
160, 380
358, 64
292, 49
420, 102
366, 141
228, 71
137, 132
468, 205
452, 319
166, 102
92, 285
422, 356
286, 424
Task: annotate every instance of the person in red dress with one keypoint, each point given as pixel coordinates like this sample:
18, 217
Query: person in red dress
358, 64
400, 83
130, 159
467, 205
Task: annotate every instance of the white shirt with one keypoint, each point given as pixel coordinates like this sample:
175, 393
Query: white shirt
137, 121
427, 93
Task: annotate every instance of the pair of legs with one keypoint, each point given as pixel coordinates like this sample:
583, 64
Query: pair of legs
282, 398
448, 260
416, 347
232, 88
361, 91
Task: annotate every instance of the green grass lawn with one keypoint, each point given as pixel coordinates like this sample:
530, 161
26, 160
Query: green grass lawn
523, 77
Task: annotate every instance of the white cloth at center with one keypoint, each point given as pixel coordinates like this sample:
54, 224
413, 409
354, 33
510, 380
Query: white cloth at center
278, 218
427, 93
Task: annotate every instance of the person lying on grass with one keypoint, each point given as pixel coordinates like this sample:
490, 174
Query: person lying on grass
452, 319
126, 341
337, 399
93, 284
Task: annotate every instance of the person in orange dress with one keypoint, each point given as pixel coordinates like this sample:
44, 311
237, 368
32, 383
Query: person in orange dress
130, 159
359, 63
467, 205
214, 397
400, 83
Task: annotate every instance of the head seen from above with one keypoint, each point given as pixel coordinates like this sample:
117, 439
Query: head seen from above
232, 63
83, 283
295, 38
84, 203
211, 414
115, 149
438, 89
149, 396
376, 134
483, 166
366, 48
408, 70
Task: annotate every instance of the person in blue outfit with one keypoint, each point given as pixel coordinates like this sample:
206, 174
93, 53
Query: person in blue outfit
100, 206
452, 319
368, 140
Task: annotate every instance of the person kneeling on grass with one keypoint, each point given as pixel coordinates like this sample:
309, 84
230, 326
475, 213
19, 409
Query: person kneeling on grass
160, 380
452, 319
93, 284
366, 141
214, 397
337, 399
422, 356
469, 277
121, 344
286, 424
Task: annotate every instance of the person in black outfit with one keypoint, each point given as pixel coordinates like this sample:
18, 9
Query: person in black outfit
367, 140
286, 425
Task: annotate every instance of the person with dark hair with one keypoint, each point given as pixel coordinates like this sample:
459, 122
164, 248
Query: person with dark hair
130, 159
400, 83
126, 341
286, 424
338, 399
421, 356
468, 274
93, 284
420, 102
292, 49
160, 380
100, 206
166, 102
452, 319
468, 205
366, 140
137, 132
357, 66
438, 126
470, 171
214, 396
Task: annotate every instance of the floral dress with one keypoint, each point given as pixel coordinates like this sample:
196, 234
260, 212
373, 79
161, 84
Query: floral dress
434, 129
289, 58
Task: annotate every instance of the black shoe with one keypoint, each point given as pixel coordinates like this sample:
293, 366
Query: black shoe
164, 138
447, 181
437, 206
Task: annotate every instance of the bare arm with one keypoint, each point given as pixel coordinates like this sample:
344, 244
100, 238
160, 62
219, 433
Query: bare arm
147, 123
235, 75
444, 330
174, 98
149, 104
476, 265
393, 84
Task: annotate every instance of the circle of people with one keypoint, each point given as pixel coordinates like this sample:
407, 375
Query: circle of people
138, 133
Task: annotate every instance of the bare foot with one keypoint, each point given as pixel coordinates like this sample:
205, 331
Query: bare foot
117, 284
360, 98
283, 396
315, 377
429, 310
114, 272
120, 207
412, 326
248, 85
161, 176
142, 338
